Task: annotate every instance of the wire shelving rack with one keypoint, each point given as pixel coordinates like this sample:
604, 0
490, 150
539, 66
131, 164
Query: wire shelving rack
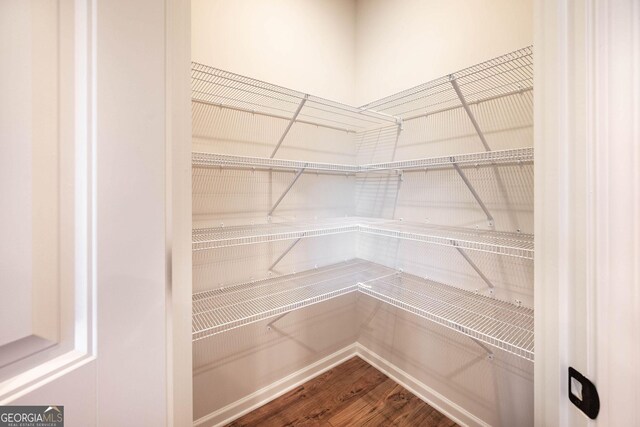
209, 160
518, 245
220, 310
220, 237
487, 320
484, 319
501, 157
507, 75
232, 91
490, 321
498, 157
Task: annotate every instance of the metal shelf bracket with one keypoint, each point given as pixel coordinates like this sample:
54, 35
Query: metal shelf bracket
400, 125
286, 251
472, 190
465, 105
286, 191
288, 128
271, 323
473, 265
400, 174
490, 355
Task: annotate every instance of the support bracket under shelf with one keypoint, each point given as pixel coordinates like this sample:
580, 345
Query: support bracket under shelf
288, 128
473, 191
474, 266
490, 354
286, 251
400, 126
395, 201
275, 205
272, 322
465, 105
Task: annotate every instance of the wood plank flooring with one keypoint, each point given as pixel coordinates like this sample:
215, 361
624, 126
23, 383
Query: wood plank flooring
351, 394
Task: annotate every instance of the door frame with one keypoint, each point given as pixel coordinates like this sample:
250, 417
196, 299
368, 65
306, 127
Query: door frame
587, 209
179, 212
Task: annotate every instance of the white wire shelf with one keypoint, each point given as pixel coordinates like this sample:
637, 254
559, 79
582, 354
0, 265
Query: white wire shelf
498, 323
511, 156
228, 308
204, 160
500, 157
220, 237
487, 320
510, 244
232, 91
517, 245
505, 75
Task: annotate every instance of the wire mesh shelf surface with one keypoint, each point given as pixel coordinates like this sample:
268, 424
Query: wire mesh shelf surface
505, 75
225, 89
225, 160
510, 244
488, 320
518, 245
219, 237
511, 156
516, 155
494, 322
223, 309
498, 323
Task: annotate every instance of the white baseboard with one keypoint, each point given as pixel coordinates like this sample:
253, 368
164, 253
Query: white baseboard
253, 401
425, 393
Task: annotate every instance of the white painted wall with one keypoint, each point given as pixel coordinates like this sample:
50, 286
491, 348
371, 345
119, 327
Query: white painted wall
400, 44
307, 45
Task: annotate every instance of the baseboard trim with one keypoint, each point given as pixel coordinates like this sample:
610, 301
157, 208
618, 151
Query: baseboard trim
425, 393
253, 401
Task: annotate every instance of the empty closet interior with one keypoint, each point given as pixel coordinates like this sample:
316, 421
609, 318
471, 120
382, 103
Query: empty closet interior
400, 230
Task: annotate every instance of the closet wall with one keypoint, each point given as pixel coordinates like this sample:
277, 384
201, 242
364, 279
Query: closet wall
338, 50
426, 40
306, 45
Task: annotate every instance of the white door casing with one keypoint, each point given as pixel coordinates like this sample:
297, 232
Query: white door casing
587, 139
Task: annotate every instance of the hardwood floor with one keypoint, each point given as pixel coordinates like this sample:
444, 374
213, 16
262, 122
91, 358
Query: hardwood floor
351, 394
